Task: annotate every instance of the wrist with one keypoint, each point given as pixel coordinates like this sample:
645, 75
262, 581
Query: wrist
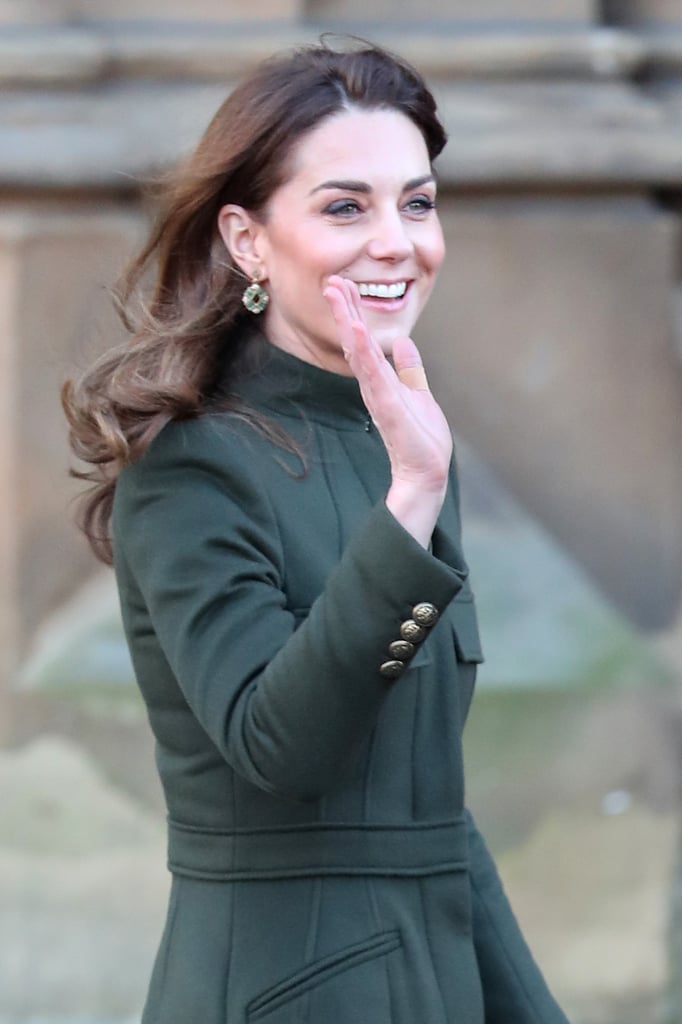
416, 507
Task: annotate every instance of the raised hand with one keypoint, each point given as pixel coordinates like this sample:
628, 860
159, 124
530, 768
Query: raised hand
411, 423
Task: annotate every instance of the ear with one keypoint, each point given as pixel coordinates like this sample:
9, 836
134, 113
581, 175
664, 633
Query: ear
241, 232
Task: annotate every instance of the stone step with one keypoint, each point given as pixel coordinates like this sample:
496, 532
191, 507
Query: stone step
35, 54
87, 107
507, 135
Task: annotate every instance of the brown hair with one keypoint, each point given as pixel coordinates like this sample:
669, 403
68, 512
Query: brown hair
187, 331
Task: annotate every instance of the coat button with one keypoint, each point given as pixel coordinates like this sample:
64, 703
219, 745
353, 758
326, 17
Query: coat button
412, 631
401, 649
392, 669
425, 613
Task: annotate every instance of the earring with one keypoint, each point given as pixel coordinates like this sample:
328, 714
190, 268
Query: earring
255, 297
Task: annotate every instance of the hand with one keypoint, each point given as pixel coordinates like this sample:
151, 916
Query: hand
411, 423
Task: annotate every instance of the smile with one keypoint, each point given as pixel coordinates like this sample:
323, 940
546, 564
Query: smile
383, 291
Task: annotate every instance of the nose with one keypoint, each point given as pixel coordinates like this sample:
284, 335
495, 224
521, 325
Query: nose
390, 239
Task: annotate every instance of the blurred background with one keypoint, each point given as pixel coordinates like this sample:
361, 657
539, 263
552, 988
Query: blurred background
554, 341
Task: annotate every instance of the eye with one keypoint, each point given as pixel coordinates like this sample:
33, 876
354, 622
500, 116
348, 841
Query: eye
343, 208
421, 204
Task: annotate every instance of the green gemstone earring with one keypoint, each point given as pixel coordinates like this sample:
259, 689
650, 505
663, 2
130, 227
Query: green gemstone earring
255, 297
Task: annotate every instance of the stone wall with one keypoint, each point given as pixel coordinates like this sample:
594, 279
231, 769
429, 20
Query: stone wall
57, 262
554, 340
642, 12
560, 370
84, 11
559, 199
459, 11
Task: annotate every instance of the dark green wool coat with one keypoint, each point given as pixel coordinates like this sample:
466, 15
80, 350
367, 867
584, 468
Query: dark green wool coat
324, 868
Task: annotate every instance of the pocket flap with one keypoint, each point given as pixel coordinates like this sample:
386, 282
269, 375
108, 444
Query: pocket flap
465, 626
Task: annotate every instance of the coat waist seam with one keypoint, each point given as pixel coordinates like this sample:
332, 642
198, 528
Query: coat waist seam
412, 850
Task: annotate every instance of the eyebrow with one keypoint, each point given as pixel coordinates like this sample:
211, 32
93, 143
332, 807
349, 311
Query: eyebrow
362, 186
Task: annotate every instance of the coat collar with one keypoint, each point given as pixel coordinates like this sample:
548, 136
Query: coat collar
269, 378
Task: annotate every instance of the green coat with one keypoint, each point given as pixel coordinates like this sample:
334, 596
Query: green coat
325, 870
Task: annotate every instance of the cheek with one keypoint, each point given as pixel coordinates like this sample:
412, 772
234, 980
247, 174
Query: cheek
437, 250
308, 263
328, 248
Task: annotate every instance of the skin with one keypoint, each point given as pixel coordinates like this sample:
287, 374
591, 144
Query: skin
358, 208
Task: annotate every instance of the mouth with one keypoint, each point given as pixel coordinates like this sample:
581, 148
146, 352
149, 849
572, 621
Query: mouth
382, 290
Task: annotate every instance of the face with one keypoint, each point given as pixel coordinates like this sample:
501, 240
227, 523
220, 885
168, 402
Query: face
360, 203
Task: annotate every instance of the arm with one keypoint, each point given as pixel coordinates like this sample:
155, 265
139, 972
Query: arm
515, 991
286, 707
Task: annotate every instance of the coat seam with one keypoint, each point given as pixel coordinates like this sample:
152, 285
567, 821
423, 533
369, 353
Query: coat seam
428, 943
324, 459
233, 900
310, 952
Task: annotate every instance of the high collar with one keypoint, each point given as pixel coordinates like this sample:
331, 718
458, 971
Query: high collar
277, 381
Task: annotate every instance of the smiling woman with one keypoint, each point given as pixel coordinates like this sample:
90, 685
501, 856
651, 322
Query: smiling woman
275, 484
347, 208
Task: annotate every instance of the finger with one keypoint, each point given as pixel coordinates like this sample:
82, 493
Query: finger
338, 304
355, 304
408, 364
350, 317
364, 361
414, 377
336, 297
340, 286
354, 300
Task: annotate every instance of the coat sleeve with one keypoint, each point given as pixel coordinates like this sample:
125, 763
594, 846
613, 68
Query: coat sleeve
196, 533
515, 991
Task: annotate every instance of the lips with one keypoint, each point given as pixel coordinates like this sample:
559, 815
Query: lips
382, 290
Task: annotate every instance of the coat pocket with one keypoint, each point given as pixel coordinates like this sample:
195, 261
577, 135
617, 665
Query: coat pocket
361, 983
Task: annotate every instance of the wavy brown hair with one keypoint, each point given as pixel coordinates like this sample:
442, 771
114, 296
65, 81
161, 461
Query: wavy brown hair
187, 331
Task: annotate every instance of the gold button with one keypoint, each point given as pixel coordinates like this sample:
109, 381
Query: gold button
425, 613
392, 669
401, 649
412, 631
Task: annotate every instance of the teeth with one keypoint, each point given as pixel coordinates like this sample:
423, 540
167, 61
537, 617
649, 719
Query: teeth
384, 291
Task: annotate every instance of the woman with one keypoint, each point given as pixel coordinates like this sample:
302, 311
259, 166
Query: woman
286, 539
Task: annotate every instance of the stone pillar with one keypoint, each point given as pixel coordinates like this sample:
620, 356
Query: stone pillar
56, 267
